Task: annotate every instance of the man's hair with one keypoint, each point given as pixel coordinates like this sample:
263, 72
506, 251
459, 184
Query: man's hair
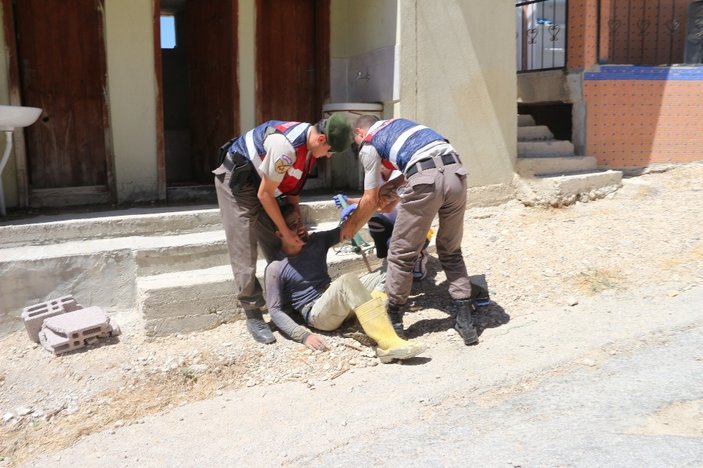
365, 121
321, 126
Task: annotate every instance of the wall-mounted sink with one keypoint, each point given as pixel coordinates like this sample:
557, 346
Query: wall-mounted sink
12, 117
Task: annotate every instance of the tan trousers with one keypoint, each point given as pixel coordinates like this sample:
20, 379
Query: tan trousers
438, 191
246, 224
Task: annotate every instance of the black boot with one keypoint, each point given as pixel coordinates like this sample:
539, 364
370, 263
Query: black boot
259, 329
395, 313
464, 324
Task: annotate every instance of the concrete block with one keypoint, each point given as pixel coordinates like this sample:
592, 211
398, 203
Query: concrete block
71, 330
58, 344
555, 165
525, 120
34, 315
534, 133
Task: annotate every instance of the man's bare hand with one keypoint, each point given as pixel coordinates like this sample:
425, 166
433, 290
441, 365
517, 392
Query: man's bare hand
291, 238
315, 342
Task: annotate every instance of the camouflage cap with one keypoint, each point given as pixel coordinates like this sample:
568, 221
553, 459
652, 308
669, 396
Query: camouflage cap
339, 133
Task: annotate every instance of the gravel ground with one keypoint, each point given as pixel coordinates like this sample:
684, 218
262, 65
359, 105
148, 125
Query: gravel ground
650, 231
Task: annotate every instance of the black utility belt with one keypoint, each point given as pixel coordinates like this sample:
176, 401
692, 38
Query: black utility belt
447, 160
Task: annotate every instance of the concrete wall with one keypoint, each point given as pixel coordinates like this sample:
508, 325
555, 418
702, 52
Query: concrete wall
132, 89
457, 75
247, 64
363, 51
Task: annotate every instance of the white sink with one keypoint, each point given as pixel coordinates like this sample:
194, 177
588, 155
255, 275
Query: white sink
12, 117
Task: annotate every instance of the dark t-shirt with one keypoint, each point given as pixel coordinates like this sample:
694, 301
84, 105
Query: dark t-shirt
297, 280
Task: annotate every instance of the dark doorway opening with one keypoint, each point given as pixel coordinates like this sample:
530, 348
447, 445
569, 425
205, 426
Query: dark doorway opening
199, 89
555, 115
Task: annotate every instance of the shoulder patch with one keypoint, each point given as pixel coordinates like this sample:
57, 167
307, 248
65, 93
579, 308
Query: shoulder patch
283, 163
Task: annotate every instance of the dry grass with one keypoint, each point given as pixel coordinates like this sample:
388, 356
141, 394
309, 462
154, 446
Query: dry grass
598, 280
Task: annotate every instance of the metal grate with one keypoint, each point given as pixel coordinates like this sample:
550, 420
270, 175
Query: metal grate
540, 34
642, 32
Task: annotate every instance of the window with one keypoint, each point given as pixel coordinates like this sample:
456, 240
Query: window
168, 32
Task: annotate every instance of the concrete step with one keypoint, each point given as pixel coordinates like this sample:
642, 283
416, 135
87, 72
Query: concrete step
531, 149
193, 300
43, 230
534, 133
562, 190
525, 120
555, 165
104, 272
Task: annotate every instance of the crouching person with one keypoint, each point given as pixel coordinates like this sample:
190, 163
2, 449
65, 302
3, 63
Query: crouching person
300, 283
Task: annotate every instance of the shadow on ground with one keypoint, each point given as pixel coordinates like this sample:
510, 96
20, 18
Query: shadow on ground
427, 294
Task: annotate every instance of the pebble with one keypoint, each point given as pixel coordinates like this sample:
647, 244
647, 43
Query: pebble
23, 410
572, 301
672, 293
7, 417
588, 362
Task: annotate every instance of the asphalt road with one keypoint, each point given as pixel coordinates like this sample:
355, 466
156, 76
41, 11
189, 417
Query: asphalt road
616, 380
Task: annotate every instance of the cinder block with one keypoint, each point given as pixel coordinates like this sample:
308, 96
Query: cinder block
34, 315
58, 344
71, 330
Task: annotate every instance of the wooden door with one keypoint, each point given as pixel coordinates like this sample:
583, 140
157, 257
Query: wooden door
61, 56
211, 47
292, 59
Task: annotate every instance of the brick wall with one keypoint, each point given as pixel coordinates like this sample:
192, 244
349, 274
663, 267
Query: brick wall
637, 116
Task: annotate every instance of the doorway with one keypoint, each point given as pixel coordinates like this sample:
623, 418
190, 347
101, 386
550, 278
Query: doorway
199, 87
62, 69
292, 66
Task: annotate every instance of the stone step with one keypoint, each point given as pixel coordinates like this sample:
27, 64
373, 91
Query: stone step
562, 190
43, 230
558, 148
191, 300
104, 271
555, 165
534, 133
525, 120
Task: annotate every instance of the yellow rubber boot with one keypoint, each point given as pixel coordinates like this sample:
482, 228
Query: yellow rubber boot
375, 322
376, 294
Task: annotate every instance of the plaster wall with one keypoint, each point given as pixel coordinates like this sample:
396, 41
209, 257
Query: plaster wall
247, 64
132, 92
457, 75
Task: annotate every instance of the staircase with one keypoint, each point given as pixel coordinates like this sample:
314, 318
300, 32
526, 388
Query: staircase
551, 175
156, 272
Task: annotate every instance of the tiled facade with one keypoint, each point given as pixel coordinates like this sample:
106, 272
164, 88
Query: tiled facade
637, 116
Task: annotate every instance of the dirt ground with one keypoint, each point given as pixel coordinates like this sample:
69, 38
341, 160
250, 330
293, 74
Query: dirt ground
650, 231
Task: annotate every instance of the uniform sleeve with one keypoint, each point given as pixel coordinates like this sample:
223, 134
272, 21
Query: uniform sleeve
274, 291
280, 155
371, 161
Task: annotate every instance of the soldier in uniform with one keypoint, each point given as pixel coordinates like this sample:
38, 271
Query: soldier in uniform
436, 185
272, 160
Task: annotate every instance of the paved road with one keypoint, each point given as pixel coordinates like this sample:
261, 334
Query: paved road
613, 381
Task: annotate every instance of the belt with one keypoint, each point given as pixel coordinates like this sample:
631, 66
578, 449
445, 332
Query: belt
447, 159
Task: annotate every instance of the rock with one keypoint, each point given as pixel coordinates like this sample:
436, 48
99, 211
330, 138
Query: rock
8, 417
588, 362
572, 301
672, 293
23, 411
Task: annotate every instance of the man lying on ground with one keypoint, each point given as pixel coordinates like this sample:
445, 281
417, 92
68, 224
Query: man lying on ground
300, 284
